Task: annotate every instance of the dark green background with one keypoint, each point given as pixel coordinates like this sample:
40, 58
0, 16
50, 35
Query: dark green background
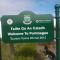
17, 19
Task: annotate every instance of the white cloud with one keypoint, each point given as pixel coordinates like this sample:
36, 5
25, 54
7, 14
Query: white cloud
13, 7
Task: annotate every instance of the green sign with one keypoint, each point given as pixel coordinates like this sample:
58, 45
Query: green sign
27, 27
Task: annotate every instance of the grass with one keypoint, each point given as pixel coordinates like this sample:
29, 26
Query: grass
7, 55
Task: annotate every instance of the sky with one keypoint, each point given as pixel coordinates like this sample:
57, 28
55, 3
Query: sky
14, 7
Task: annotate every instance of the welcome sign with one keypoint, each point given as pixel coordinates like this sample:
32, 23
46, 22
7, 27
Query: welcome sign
27, 27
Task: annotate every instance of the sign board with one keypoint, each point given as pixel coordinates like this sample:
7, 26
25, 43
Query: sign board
27, 27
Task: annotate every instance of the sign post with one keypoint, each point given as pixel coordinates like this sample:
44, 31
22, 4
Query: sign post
57, 13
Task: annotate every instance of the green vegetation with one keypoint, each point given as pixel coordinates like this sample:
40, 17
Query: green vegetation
22, 51
26, 52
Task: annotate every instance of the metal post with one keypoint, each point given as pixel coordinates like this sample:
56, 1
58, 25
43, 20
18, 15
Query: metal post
57, 7
0, 50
